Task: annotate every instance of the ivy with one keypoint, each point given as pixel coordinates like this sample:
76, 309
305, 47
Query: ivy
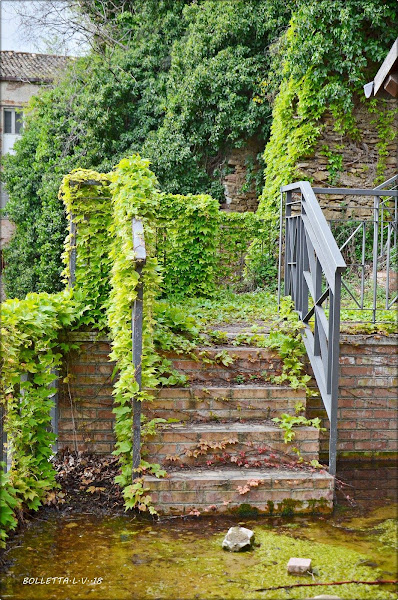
187, 233
385, 114
134, 194
87, 201
328, 52
180, 93
32, 349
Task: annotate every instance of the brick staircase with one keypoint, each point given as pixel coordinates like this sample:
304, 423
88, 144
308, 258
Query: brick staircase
225, 454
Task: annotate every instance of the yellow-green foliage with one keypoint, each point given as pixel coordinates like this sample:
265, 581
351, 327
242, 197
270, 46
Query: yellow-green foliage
31, 351
87, 201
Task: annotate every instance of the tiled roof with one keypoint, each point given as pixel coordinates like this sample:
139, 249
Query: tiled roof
28, 67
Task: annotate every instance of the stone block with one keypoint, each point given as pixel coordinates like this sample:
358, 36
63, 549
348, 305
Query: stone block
298, 565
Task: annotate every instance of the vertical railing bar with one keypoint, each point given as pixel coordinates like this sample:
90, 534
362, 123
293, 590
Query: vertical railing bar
288, 236
388, 266
363, 263
376, 205
317, 291
381, 217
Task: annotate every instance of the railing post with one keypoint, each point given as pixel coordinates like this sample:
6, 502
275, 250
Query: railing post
333, 371
136, 327
280, 251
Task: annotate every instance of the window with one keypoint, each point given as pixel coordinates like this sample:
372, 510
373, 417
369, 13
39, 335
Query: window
13, 120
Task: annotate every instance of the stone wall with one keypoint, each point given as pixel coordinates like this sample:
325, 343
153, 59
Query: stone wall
359, 160
368, 415
239, 185
359, 163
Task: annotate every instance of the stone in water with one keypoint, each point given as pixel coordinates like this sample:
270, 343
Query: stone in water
326, 597
298, 565
238, 539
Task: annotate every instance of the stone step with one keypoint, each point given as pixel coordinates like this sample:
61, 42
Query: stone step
243, 364
243, 402
242, 491
249, 443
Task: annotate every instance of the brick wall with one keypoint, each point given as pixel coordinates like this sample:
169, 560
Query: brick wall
368, 415
368, 405
85, 402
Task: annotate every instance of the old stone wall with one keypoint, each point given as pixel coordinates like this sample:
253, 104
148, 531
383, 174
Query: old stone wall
239, 185
359, 161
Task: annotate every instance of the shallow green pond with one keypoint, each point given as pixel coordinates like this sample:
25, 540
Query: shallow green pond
118, 558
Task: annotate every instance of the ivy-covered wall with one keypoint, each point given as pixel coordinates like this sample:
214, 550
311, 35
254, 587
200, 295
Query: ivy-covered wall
326, 55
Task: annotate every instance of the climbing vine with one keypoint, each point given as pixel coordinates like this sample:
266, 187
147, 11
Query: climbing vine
87, 202
32, 348
385, 114
133, 194
328, 53
187, 232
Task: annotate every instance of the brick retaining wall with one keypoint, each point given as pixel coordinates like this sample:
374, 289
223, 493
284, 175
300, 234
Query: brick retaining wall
368, 415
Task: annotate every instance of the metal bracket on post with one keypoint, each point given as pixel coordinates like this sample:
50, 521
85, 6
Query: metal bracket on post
136, 330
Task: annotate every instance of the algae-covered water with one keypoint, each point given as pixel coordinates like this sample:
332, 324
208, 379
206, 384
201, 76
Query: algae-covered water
122, 558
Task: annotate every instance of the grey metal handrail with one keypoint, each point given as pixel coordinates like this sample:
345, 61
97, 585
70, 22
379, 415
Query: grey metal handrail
313, 266
136, 333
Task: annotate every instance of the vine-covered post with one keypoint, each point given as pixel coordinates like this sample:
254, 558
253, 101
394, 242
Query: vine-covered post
72, 256
136, 327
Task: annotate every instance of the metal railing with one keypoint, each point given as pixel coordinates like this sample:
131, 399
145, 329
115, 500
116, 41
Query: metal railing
313, 266
367, 237
318, 250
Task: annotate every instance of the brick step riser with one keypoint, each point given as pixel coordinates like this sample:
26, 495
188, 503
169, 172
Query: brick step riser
241, 403
270, 497
212, 410
172, 447
247, 363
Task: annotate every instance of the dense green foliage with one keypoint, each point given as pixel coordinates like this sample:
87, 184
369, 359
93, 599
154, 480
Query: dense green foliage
182, 90
329, 51
87, 201
31, 351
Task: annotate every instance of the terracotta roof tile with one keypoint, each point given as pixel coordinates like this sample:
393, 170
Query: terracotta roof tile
25, 66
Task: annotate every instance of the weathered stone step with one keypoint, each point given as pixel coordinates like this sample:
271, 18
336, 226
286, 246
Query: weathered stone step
243, 363
240, 443
271, 491
244, 402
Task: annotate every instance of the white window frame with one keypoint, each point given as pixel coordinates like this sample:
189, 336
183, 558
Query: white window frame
14, 110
